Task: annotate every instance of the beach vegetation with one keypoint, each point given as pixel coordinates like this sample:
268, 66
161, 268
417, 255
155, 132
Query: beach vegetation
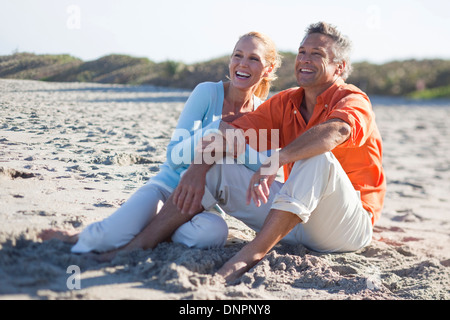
422, 79
434, 93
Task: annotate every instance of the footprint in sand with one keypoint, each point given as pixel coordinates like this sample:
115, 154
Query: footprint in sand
14, 174
109, 204
408, 216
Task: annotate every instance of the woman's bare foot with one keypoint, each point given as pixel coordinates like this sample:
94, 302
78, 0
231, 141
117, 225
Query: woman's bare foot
103, 257
63, 235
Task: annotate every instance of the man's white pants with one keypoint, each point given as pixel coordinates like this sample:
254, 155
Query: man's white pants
318, 191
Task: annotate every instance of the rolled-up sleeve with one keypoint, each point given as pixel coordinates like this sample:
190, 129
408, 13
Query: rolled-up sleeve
357, 112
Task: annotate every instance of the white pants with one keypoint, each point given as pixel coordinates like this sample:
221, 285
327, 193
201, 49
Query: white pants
318, 191
205, 230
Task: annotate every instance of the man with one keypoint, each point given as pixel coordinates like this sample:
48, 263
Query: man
331, 151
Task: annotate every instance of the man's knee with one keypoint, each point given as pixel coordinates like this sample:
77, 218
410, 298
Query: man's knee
319, 165
214, 174
323, 159
218, 178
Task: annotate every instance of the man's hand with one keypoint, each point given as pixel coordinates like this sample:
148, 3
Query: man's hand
276, 226
259, 186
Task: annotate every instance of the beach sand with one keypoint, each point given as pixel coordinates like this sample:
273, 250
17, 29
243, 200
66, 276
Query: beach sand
71, 153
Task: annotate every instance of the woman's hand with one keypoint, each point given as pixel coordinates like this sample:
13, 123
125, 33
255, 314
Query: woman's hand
259, 186
189, 192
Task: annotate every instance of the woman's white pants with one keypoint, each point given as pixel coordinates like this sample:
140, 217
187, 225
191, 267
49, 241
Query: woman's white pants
205, 230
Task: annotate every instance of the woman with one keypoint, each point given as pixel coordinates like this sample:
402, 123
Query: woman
252, 69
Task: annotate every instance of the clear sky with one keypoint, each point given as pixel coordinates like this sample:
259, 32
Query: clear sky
198, 30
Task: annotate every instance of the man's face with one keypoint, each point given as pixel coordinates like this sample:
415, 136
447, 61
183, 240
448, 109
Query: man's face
314, 66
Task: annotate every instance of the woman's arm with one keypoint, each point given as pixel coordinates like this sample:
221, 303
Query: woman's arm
191, 188
180, 150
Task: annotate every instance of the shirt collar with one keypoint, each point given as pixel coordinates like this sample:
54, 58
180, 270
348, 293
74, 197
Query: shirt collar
324, 97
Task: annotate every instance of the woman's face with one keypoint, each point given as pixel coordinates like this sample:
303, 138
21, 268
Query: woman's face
247, 65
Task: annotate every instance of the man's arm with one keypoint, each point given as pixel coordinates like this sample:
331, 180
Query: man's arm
317, 140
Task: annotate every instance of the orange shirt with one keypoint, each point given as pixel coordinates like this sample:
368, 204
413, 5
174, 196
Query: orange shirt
360, 156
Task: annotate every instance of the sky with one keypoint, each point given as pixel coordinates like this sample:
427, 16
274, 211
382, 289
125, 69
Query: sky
192, 31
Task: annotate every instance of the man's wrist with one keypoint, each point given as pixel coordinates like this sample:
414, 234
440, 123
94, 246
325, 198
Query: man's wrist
282, 158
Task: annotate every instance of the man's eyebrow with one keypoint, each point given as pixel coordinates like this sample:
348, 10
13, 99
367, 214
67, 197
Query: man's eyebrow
315, 48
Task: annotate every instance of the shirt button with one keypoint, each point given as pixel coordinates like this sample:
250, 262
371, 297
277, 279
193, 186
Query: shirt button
295, 111
326, 106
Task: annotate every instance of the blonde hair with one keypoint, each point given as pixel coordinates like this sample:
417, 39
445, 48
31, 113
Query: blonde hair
272, 58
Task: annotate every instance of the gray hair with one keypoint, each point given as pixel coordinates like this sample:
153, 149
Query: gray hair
342, 47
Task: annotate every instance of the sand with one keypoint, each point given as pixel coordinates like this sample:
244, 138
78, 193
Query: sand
72, 153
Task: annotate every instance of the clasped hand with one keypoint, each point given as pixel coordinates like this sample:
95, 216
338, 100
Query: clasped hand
188, 195
191, 188
215, 146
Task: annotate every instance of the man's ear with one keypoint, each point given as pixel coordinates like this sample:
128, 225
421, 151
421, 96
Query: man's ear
340, 68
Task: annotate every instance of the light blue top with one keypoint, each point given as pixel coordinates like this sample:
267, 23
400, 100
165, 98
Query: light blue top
201, 115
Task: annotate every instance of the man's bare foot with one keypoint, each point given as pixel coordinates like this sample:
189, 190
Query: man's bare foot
63, 235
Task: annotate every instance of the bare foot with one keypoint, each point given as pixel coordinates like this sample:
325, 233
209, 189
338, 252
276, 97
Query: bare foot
102, 257
63, 235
